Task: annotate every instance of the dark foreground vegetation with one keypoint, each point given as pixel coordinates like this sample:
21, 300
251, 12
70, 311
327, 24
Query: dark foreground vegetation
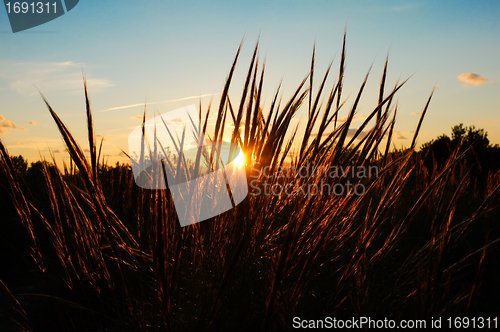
84, 249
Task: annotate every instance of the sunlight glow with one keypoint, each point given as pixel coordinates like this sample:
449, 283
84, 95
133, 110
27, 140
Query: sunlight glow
239, 160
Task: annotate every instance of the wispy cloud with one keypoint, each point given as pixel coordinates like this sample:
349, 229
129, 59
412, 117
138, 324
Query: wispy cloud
157, 102
399, 136
415, 114
6, 123
356, 117
59, 151
119, 154
472, 78
25, 77
33, 123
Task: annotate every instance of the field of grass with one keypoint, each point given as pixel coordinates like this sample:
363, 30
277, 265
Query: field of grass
83, 248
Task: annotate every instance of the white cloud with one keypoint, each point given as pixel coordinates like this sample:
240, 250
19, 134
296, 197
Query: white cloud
472, 78
6, 125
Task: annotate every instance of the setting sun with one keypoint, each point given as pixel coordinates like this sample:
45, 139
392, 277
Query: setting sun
239, 160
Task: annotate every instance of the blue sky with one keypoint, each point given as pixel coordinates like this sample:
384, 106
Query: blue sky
156, 50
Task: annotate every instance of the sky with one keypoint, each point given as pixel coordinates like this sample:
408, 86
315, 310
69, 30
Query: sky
169, 54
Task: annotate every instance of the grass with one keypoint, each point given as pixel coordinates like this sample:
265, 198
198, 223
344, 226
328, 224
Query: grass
97, 253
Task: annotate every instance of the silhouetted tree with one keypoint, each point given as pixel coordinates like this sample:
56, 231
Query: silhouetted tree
480, 155
19, 163
469, 137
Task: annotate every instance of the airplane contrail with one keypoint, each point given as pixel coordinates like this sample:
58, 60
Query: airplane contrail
158, 102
